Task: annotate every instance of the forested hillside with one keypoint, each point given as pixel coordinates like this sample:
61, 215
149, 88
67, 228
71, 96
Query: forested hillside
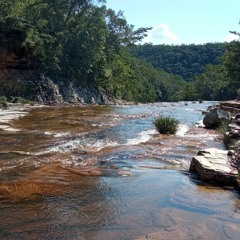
184, 60
211, 70
82, 44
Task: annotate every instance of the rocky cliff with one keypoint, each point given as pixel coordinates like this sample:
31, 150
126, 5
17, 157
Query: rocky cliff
18, 77
12, 55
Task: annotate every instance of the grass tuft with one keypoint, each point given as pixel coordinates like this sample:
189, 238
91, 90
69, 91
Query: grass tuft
166, 125
223, 127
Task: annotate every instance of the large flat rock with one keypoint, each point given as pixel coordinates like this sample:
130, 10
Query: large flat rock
215, 165
232, 106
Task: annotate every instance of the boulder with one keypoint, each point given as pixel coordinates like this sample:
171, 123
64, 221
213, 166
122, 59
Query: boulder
214, 165
215, 117
233, 131
232, 140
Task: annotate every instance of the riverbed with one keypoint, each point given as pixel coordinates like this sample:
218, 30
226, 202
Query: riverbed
104, 172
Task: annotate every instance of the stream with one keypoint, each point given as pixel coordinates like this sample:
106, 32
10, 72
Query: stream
104, 172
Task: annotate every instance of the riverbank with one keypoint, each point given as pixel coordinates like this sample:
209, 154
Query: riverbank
13, 111
215, 165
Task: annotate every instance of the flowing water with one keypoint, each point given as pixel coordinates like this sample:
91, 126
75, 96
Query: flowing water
101, 172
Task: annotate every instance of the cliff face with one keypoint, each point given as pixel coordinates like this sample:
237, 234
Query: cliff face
15, 75
18, 78
12, 55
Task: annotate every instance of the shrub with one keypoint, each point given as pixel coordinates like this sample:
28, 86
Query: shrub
21, 100
166, 125
223, 127
3, 102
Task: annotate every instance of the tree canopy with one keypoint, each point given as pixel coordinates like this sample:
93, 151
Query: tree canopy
84, 42
184, 60
231, 62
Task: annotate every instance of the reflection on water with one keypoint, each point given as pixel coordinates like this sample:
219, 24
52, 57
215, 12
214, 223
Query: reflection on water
105, 173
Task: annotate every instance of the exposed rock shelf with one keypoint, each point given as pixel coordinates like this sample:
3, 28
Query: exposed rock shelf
214, 165
20, 77
231, 106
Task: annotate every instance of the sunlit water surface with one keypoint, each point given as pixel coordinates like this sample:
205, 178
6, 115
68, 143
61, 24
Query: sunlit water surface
100, 172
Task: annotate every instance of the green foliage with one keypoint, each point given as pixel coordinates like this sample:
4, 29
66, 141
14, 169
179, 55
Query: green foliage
223, 127
212, 84
84, 42
166, 125
189, 93
231, 62
21, 100
184, 60
3, 102
212, 69
76, 40
134, 79
122, 32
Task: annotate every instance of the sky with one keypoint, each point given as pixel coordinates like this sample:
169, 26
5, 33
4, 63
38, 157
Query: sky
182, 21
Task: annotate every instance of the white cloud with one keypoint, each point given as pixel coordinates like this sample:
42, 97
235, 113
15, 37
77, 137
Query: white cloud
161, 34
231, 37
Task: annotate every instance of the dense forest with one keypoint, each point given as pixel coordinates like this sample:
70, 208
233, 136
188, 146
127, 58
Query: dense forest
184, 60
84, 42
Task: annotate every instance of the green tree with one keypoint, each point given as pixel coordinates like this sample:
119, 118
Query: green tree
84, 42
184, 60
232, 65
189, 92
211, 84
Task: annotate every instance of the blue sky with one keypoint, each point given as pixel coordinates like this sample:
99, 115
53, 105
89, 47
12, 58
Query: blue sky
182, 21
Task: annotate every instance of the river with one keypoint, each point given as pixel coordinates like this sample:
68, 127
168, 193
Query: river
103, 172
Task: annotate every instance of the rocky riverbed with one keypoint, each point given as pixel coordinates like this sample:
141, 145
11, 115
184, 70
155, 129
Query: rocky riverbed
103, 172
13, 111
216, 165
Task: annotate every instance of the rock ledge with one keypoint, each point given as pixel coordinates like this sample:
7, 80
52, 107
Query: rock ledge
215, 165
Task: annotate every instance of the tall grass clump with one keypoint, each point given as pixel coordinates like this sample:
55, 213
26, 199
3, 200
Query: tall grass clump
166, 125
223, 126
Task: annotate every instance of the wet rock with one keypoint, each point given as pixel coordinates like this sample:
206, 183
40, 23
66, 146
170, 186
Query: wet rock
233, 134
215, 117
87, 171
232, 141
237, 116
184, 230
199, 124
232, 106
231, 153
237, 121
29, 189
215, 165
230, 230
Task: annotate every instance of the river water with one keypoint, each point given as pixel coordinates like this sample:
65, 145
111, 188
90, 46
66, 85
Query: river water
103, 172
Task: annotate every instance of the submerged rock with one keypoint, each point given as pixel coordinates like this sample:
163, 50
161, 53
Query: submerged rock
215, 165
28, 189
